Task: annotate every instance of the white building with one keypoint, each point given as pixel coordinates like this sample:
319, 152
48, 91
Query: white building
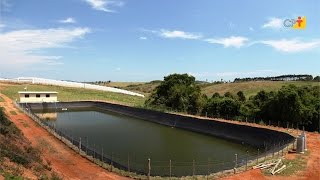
38, 96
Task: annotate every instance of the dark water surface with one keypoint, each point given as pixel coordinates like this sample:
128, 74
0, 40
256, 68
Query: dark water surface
136, 139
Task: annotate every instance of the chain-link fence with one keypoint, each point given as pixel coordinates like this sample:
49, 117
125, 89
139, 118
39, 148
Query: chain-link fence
144, 168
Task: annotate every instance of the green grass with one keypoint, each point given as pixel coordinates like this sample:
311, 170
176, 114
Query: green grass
293, 166
75, 94
1, 100
13, 113
144, 88
252, 87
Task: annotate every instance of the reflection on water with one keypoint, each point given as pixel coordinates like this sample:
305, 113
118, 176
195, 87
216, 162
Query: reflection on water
50, 116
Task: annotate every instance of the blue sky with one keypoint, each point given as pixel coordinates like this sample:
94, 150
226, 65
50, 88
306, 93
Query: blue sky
126, 40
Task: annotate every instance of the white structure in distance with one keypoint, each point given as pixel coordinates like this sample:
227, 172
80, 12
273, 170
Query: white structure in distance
35, 80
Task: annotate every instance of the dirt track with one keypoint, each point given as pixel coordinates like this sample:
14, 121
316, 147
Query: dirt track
67, 163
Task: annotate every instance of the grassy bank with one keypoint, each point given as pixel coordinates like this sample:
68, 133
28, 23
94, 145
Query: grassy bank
17, 156
73, 94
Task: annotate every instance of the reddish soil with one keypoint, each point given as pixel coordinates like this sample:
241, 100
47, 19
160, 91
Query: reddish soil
67, 163
311, 172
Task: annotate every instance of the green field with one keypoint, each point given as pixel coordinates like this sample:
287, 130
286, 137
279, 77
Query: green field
248, 88
252, 87
74, 94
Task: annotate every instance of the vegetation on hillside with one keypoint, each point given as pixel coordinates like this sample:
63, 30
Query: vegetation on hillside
290, 104
145, 88
251, 88
17, 155
289, 77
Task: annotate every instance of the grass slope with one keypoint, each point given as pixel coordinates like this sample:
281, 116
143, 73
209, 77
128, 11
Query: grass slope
73, 94
252, 87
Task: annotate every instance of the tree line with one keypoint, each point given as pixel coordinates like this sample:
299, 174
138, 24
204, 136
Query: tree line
289, 105
289, 77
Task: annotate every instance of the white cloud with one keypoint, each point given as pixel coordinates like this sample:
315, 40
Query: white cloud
291, 46
178, 34
251, 29
232, 41
143, 38
68, 20
273, 23
21, 46
104, 5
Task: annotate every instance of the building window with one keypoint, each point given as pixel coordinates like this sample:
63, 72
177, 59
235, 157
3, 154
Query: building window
37, 95
26, 95
47, 95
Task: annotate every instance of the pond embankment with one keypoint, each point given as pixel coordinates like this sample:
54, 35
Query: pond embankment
240, 133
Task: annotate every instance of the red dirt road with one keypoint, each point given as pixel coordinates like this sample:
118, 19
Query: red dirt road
67, 163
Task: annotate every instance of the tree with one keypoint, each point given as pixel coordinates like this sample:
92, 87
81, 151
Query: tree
228, 94
241, 96
215, 95
178, 92
317, 79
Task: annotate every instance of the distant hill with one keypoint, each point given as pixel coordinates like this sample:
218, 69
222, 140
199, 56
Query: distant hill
249, 88
252, 87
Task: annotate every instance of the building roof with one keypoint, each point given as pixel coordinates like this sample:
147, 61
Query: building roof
38, 92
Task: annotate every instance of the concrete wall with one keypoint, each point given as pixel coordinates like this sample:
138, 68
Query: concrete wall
257, 137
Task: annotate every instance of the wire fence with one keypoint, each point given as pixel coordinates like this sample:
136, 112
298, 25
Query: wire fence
145, 168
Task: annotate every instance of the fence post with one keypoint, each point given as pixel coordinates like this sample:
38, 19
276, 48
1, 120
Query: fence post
193, 168
293, 144
208, 168
94, 151
111, 162
87, 145
282, 146
102, 154
235, 163
247, 159
258, 156
149, 168
265, 154
80, 145
279, 147
287, 125
274, 145
170, 169
128, 162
